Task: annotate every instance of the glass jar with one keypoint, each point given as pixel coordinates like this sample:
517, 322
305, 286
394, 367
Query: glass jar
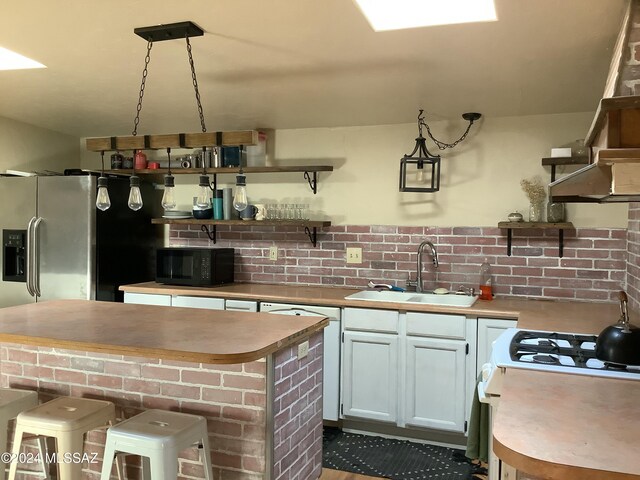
555, 213
536, 212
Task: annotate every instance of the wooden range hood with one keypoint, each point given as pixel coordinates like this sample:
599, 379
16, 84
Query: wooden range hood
614, 172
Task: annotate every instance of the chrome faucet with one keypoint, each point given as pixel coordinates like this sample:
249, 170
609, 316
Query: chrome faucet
434, 254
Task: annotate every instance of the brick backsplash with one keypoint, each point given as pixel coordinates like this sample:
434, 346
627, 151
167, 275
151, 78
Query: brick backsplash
594, 265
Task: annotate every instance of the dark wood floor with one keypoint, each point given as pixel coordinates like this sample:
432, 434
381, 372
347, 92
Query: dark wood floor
328, 474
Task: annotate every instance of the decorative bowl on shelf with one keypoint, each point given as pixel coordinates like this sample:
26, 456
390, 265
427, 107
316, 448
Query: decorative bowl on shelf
515, 217
203, 214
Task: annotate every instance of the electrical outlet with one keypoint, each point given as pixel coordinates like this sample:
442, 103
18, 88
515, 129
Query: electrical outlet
354, 255
273, 253
303, 349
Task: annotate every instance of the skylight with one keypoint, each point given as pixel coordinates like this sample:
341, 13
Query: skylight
399, 14
14, 61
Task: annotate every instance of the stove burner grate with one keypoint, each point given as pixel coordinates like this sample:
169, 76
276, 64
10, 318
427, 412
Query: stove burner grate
546, 359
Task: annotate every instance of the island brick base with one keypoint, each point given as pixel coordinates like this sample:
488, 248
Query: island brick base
233, 398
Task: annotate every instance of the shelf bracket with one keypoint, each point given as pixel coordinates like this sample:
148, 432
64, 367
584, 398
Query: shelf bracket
560, 242
312, 236
313, 184
210, 233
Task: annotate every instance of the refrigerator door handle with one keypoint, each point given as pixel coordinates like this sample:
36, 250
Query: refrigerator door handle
30, 256
36, 258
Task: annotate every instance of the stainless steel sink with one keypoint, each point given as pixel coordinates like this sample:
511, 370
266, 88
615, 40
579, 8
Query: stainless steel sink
450, 300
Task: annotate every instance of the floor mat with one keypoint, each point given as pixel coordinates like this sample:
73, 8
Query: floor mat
390, 458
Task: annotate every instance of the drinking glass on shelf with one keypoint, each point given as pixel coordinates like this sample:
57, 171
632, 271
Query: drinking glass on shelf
304, 212
271, 211
289, 211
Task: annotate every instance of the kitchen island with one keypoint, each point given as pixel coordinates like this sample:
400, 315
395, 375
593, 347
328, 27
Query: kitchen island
569, 427
241, 371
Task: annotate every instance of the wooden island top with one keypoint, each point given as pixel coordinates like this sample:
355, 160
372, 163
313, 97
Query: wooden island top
187, 334
569, 427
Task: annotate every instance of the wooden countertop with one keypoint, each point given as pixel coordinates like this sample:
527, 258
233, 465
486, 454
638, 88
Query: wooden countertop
569, 427
188, 334
528, 312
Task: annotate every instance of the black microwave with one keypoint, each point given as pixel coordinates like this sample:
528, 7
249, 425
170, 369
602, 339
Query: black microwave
196, 267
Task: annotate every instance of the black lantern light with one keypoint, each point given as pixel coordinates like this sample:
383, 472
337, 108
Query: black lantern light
421, 172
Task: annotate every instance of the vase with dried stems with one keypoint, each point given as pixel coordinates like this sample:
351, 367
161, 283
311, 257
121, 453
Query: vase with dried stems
536, 193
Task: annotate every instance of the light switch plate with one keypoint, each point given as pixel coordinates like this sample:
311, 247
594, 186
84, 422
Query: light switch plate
303, 349
273, 253
354, 255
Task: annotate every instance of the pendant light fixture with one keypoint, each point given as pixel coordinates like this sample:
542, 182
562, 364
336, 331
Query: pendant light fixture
152, 34
169, 197
421, 173
103, 202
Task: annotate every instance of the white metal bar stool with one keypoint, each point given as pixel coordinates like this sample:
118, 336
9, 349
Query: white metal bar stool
66, 419
159, 436
12, 402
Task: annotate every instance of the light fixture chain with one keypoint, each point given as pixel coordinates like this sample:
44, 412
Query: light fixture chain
439, 144
195, 85
147, 59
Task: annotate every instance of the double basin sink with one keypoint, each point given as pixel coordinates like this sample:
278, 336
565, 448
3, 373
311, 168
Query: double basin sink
448, 300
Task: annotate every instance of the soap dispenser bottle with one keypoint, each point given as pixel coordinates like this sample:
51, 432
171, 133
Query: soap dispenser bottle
486, 282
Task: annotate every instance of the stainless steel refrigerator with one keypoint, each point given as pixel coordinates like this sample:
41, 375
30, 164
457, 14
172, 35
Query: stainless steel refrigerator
57, 244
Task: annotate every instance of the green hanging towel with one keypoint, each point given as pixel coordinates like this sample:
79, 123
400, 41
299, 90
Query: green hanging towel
478, 438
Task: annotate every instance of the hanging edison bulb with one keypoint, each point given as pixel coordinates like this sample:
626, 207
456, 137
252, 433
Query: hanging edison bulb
240, 201
135, 197
169, 196
203, 200
103, 202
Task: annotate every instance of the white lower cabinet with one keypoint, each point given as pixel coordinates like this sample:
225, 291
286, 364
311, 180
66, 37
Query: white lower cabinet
147, 299
435, 383
370, 375
197, 302
411, 369
488, 330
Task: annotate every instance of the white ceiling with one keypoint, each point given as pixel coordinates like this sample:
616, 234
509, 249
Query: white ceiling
297, 63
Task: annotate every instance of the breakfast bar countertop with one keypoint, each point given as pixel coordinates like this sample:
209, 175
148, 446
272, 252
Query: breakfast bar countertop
186, 334
564, 426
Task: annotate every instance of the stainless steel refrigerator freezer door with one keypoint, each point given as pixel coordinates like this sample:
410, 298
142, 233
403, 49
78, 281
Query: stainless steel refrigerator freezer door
18, 203
66, 237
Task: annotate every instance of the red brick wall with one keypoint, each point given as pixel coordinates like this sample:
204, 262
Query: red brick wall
298, 412
633, 264
231, 397
629, 81
593, 267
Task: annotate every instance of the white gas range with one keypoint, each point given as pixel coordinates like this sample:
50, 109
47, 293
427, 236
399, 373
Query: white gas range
540, 350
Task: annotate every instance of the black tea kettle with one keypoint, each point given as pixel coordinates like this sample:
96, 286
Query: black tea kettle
620, 343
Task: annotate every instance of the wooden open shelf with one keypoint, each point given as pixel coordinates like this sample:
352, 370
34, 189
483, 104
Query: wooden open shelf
310, 226
565, 161
222, 170
210, 221
174, 140
561, 226
540, 225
